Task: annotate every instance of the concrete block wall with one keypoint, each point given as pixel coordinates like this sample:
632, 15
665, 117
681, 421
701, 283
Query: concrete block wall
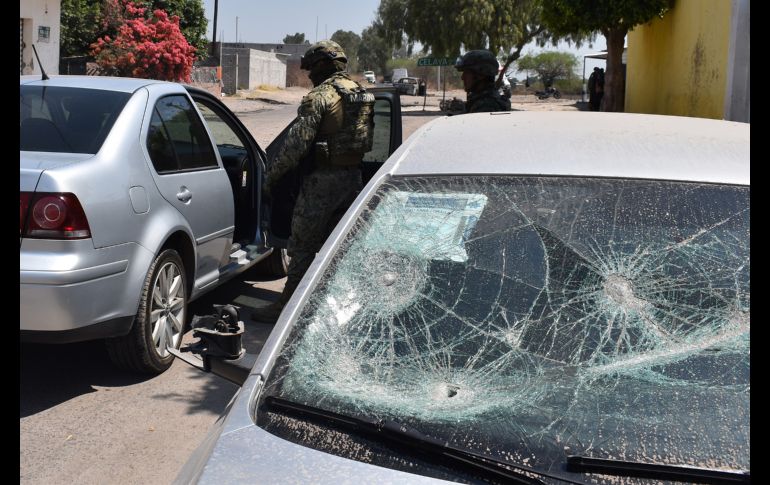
267, 68
249, 68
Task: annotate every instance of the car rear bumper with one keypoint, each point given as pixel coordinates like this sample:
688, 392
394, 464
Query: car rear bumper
69, 291
110, 328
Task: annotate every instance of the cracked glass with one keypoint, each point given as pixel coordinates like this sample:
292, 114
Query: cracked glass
532, 318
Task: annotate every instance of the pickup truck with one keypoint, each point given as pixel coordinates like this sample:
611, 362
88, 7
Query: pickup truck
407, 85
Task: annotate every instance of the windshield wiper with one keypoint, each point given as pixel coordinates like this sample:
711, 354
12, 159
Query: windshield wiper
404, 436
656, 471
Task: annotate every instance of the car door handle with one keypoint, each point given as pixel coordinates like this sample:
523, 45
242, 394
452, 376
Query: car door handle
185, 195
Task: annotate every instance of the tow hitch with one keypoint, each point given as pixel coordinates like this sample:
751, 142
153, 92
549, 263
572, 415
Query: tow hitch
219, 348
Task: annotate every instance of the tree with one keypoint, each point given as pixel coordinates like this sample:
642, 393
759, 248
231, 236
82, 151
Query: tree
446, 27
295, 39
350, 42
147, 47
80, 21
84, 21
374, 50
613, 19
550, 65
192, 20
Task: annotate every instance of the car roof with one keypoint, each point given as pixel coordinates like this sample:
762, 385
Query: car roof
109, 83
576, 143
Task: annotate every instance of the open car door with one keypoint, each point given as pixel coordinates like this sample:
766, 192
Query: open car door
277, 211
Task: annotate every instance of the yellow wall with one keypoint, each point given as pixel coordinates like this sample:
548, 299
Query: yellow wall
677, 65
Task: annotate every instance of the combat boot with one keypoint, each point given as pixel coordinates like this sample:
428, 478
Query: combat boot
269, 313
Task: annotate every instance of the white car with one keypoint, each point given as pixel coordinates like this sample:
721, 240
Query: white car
520, 297
369, 76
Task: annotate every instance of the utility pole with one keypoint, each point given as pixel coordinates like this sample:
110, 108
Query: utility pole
214, 32
236, 29
316, 29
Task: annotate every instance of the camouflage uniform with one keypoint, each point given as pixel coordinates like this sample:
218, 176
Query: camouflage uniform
487, 100
483, 96
335, 127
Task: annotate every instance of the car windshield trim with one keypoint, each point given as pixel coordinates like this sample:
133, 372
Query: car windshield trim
415, 441
656, 471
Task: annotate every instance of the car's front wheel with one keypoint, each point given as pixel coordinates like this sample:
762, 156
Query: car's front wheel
159, 322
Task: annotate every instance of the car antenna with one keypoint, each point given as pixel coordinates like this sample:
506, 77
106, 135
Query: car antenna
45, 76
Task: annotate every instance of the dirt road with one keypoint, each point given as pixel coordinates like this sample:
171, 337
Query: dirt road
267, 112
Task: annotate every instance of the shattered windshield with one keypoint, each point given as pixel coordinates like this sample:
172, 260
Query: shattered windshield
531, 318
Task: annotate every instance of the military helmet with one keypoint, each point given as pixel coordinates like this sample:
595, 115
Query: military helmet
325, 49
480, 61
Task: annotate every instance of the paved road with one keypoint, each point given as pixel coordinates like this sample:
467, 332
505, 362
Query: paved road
84, 422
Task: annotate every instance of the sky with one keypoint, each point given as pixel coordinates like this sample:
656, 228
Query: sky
269, 21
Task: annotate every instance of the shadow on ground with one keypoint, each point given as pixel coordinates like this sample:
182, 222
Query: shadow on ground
52, 374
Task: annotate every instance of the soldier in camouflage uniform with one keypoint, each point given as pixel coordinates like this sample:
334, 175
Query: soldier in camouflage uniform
334, 129
479, 69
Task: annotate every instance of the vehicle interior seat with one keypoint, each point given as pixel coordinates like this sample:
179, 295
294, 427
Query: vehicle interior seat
84, 123
241, 174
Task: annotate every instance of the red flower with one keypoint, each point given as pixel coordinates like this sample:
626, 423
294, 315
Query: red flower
146, 46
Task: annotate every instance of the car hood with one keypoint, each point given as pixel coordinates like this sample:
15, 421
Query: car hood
251, 454
238, 451
33, 164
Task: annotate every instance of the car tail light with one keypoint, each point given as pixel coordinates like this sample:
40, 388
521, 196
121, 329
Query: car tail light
48, 215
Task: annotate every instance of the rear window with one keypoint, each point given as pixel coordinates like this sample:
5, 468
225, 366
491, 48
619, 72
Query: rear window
67, 120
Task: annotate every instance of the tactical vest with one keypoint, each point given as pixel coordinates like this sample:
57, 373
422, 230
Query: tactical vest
347, 131
487, 100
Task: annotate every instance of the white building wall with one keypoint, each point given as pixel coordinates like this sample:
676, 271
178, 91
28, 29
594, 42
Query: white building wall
249, 68
34, 14
266, 68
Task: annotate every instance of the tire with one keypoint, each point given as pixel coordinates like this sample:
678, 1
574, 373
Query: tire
274, 266
556, 95
159, 320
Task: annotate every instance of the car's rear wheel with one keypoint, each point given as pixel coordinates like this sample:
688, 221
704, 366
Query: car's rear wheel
159, 322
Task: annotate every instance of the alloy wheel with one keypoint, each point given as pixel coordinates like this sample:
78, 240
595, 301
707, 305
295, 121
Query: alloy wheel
167, 308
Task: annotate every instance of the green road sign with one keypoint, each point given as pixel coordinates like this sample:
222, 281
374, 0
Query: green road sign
435, 61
